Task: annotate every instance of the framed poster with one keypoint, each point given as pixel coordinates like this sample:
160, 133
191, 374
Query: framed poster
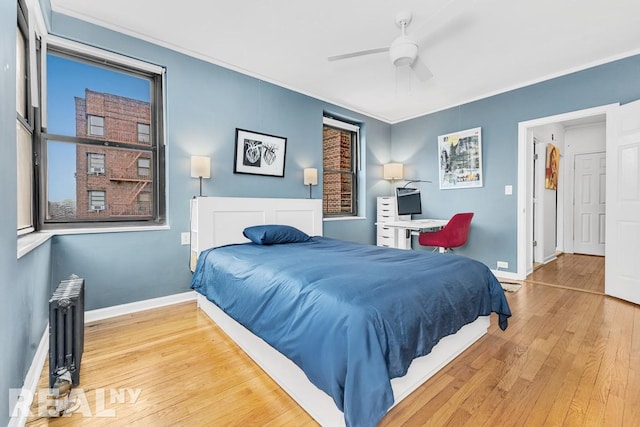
259, 153
460, 159
551, 167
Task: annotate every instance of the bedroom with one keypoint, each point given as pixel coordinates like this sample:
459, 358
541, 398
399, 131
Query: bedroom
197, 118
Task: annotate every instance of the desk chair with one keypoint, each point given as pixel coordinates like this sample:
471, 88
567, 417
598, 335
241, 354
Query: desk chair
453, 235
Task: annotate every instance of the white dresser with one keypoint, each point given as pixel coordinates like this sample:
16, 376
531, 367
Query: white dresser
386, 211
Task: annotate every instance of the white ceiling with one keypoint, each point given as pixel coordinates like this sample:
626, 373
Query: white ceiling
474, 48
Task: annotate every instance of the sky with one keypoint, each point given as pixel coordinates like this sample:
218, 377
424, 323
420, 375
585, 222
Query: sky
66, 79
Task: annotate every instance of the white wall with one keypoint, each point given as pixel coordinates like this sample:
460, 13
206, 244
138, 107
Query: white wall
549, 203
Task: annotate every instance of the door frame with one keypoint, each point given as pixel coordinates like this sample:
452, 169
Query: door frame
525, 180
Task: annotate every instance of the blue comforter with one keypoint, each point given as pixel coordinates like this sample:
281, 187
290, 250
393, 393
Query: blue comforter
351, 316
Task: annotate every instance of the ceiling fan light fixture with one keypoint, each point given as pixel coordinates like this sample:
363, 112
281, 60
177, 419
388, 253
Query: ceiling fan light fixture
403, 51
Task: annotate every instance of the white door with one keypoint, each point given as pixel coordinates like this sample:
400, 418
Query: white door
622, 268
589, 203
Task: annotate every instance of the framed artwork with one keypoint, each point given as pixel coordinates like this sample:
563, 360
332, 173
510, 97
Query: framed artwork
460, 159
552, 165
259, 153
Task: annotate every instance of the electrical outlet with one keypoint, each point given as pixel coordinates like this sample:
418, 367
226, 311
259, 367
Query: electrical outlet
185, 238
503, 264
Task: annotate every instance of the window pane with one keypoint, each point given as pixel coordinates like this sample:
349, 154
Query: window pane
25, 177
73, 186
337, 149
337, 193
86, 100
21, 74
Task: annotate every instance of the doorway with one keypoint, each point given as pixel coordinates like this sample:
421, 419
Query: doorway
553, 210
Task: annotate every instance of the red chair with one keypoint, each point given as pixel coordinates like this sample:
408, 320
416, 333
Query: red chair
453, 235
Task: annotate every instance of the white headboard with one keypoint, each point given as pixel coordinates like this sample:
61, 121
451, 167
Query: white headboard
217, 221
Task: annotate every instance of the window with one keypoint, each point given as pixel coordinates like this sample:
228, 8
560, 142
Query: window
97, 201
143, 167
96, 125
104, 136
24, 122
144, 132
95, 162
340, 167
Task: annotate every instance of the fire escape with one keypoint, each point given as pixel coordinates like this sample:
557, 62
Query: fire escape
127, 203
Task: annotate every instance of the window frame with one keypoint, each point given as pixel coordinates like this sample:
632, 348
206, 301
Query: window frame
94, 163
91, 199
146, 134
355, 130
26, 120
157, 144
91, 125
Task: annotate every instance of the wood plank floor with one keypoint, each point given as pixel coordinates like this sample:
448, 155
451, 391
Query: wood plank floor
568, 358
583, 272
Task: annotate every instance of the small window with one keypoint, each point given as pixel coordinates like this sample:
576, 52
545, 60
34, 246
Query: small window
95, 163
144, 167
97, 201
96, 126
144, 133
340, 167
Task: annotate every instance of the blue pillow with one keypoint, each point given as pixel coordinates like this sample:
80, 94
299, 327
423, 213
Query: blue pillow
272, 234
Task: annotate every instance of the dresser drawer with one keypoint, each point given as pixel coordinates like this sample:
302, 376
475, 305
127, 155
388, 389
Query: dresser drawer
387, 241
385, 217
385, 231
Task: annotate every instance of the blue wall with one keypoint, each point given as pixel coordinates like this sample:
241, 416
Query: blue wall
494, 228
205, 104
24, 282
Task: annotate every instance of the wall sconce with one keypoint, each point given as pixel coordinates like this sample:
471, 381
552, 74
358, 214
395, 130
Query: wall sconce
310, 178
393, 171
200, 168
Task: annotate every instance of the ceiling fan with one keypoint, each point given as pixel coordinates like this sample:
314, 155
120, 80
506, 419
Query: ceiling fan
402, 52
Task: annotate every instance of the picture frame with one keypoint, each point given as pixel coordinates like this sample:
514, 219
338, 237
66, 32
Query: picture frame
259, 153
460, 159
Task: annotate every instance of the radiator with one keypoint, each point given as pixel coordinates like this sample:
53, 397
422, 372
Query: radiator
66, 329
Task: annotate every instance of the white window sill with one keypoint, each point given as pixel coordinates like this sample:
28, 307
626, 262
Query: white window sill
31, 241
343, 218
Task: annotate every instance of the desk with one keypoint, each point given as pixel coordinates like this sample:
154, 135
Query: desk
404, 229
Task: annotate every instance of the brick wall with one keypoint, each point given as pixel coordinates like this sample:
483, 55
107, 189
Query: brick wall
128, 192
337, 187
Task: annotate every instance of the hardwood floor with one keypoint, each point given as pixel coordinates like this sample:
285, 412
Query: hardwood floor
583, 272
567, 358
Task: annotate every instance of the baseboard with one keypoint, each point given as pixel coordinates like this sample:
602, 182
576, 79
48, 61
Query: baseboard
31, 381
134, 307
506, 275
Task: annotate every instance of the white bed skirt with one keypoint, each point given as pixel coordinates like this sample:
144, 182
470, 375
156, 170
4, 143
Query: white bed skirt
313, 400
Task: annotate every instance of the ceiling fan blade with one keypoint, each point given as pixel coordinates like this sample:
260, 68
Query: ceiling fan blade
422, 71
359, 53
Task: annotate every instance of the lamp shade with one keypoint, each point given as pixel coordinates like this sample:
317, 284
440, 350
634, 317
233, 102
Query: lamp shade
393, 171
200, 167
310, 176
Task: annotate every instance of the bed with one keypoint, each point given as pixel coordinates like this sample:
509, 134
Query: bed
348, 330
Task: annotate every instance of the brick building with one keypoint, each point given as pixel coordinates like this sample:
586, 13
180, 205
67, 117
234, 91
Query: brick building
336, 187
113, 182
